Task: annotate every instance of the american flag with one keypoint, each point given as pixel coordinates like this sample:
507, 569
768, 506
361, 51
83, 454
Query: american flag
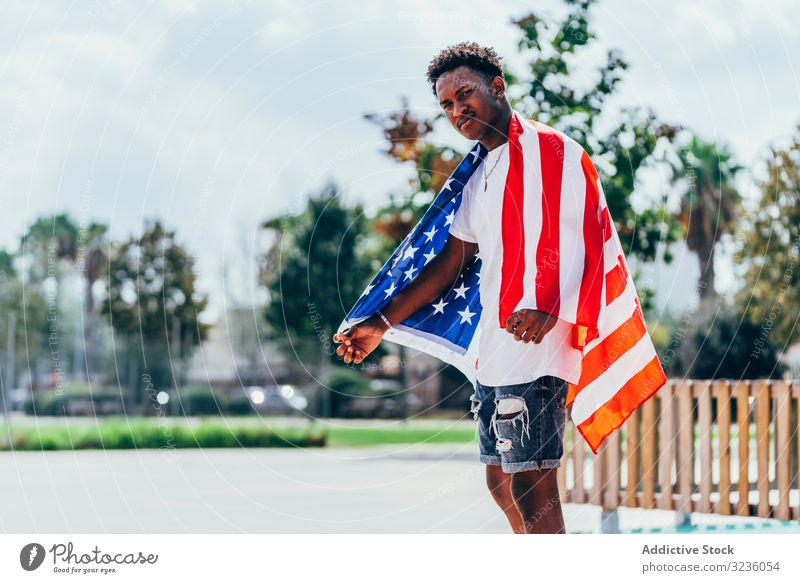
561, 255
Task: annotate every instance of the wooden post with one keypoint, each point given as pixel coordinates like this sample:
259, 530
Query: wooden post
703, 391
685, 469
632, 459
743, 423
578, 494
723, 394
666, 447
762, 446
613, 486
796, 395
598, 485
648, 431
783, 448
561, 473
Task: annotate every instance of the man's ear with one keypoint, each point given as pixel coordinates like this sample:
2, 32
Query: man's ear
498, 88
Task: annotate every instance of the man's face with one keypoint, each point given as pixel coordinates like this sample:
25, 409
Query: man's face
468, 101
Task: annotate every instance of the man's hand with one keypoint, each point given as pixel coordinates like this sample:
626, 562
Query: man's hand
527, 325
360, 340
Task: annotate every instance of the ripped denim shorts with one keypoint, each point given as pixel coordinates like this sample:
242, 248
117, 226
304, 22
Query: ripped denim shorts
521, 427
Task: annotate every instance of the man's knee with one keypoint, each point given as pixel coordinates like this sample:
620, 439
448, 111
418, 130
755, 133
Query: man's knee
534, 482
496, 478
510, 417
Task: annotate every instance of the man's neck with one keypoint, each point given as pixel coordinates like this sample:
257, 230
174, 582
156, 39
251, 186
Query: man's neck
499, 133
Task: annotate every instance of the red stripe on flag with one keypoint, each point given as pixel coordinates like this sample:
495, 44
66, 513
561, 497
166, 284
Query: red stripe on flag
548, 286
609, 417
616, 280
592, 282
513, 232
607, 224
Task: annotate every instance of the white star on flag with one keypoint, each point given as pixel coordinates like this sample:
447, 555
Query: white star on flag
390, 290
410, 252
369, 289
461, 291
466, 315
410, 272
428, 256
449, 218
439, 307
430, 234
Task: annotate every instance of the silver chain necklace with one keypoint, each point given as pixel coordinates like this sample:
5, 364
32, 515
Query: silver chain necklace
487, 174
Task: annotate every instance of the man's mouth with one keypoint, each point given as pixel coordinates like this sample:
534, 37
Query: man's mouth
464, 121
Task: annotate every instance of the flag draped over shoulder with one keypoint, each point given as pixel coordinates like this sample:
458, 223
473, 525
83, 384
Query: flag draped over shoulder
561, 255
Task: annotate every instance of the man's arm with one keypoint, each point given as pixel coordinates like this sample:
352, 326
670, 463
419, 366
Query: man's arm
433, 279
441, 272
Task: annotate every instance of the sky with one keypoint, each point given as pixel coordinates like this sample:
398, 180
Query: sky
215, 116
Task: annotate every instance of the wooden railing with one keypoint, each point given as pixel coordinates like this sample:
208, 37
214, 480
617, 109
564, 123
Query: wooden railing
681, 451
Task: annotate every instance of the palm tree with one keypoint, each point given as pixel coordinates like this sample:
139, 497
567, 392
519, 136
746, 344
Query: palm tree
710, 203
47, 241
91, 258
56, 238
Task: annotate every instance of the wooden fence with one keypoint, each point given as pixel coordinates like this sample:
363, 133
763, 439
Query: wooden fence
681, 451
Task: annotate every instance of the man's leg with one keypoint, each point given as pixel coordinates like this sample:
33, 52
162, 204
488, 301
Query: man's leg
529, 422
536, 497
499, 484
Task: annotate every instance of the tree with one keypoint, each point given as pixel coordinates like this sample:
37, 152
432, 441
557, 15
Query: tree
405, 136
48, 250
770, 249
91, 258
48, 241
710, 202
7, 269
720, 342
154, 307
315, 270
23, 330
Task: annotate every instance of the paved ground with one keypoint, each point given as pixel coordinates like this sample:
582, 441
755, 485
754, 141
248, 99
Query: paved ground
407, 489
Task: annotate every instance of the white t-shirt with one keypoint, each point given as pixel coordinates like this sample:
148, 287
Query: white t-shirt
502, 360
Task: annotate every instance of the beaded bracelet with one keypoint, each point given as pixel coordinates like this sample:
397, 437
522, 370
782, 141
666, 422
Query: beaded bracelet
385, 319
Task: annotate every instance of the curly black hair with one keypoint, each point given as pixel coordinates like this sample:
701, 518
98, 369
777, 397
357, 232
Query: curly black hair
471, 54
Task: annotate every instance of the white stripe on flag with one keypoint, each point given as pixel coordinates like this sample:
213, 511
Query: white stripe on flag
532, 211
604, 387
571, 248
610, 260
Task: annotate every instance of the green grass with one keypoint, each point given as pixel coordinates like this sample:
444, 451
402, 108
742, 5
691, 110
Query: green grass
367, 436
147, 434
152, 433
